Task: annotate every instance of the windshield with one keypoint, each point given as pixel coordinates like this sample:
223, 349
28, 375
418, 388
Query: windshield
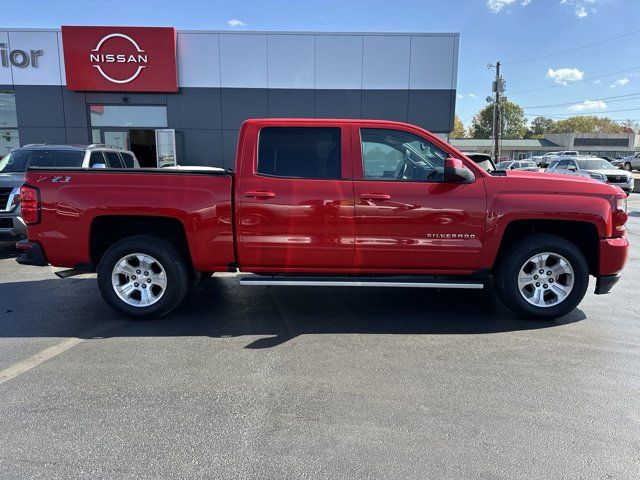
19, 160
483, 161
595, 164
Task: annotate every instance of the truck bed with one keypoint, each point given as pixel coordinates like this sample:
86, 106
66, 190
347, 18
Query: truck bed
75, 200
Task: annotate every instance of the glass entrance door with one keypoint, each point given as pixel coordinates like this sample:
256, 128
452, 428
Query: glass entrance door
117, 138
166, 147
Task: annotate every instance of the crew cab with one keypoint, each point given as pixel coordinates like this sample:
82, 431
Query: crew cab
329, 203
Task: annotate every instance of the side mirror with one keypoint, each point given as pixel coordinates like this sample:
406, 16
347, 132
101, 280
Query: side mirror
572, 168
99, 165
456, 172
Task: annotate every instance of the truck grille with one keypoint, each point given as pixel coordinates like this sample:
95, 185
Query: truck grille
616, 179
4, 197
6, 223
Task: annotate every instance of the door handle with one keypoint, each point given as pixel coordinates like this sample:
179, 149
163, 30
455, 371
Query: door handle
375, 196
257, 194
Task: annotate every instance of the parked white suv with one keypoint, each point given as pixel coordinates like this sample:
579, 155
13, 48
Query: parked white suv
13, 166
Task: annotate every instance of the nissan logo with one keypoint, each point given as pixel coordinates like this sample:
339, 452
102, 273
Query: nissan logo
100, 60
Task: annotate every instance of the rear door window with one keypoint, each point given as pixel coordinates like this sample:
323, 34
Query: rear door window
300, 152
95, 158
113, 160
127, 158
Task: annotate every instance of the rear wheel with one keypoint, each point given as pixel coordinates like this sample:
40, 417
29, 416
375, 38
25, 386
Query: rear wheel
143, 276
544, 277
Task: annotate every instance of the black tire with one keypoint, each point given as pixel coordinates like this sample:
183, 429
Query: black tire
507, 274
176, 269
627, 167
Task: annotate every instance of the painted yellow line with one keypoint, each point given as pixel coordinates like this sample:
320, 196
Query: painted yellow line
47, 354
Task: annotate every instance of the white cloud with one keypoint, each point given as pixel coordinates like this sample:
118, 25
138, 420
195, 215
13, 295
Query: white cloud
581, 8
460, 96
234, 22
588, 105
496, 6
472, 95
619, 83
524, 3
565, 76
597, 82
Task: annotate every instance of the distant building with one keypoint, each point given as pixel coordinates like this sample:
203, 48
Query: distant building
600, 144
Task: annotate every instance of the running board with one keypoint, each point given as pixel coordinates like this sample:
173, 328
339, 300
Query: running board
358, 282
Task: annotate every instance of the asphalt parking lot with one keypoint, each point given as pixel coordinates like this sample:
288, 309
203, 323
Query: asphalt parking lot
274, 382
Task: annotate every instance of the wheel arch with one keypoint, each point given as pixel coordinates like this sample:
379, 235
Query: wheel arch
582, 234
106, 230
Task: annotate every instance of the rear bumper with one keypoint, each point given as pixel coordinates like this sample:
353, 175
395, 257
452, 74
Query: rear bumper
33, 254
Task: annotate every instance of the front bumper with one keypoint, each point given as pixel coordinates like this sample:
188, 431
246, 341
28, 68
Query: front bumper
33, 254
612, 256
606, 283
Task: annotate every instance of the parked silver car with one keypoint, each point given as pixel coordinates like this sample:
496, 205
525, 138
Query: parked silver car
13, 166
632, 162
593, 167
525, 165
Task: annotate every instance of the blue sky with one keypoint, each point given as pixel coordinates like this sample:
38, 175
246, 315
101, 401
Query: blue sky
490, 30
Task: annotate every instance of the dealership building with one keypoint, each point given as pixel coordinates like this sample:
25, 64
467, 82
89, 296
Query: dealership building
181, 96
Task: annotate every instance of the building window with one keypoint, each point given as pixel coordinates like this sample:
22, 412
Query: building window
8, 141
128, 116
604, 142
8, 123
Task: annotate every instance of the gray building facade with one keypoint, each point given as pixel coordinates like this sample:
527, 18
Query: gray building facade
225, 78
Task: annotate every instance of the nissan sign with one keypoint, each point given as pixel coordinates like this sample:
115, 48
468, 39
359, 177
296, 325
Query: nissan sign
129, 59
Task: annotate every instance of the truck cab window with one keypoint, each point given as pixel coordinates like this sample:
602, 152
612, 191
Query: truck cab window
398, 155
300, 152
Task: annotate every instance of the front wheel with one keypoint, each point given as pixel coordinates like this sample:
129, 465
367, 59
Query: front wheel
544, 277
143, 277
627, 167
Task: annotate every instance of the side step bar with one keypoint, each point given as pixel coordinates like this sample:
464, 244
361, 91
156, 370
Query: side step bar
404, 282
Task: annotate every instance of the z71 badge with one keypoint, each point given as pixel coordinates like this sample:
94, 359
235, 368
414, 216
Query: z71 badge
55, 179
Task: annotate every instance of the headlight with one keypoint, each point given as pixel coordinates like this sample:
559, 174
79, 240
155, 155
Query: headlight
621, 204
15, 197
598, 176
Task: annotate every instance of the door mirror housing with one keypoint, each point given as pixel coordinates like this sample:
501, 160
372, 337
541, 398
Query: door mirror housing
99, 165
456, 172
572, 168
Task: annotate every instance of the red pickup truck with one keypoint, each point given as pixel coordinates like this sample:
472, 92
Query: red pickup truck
329, 203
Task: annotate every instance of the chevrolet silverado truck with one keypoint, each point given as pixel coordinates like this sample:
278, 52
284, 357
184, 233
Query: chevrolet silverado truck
329, 203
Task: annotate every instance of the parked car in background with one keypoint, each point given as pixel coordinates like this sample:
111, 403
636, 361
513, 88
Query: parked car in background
632, 162
13, 166
483, 160
543, 160
525, 165
593, 167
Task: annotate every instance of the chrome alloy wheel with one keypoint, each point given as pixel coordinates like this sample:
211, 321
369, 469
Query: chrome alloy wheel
546, 279
139, 280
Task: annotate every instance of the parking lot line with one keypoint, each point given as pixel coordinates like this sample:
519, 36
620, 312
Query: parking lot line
47, 354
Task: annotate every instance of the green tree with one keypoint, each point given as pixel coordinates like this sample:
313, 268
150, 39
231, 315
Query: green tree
540, 126
512, 118
458, 128
587, 124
